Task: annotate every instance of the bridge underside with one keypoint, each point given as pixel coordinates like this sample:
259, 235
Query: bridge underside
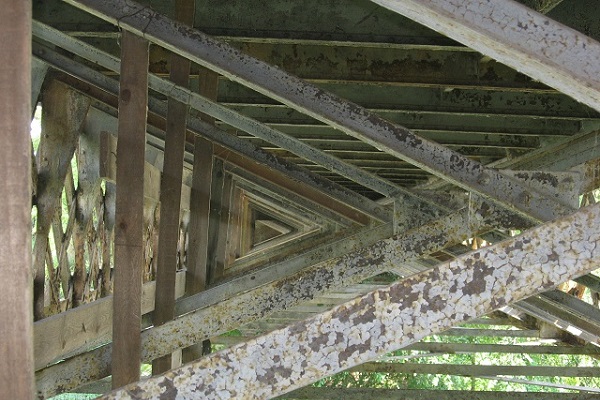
309, 187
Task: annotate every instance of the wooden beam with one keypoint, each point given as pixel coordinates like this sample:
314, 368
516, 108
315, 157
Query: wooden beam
129, 251
216, 135
80, 329
200, 203
16, 309
517, 36
390, 318
331, 109
200, 211
170, 191
63, 113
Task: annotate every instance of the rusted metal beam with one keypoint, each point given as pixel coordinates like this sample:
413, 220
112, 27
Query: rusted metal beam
517, 36
128, 247
201, 128
16, 309
233, 118
326, 107
213, 312
390, 318
170, 191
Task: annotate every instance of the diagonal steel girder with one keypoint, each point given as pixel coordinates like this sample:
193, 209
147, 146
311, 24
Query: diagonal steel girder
517, 36
213, 312
390, 318
325, 106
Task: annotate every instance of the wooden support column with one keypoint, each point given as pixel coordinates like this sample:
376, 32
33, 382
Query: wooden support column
129, 252
170, 191
16, 328
200, 209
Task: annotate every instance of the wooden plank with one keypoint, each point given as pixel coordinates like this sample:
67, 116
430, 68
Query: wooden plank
170, 194
16, 309
200, 217
129, 251
200, 206
80, 329
221, 193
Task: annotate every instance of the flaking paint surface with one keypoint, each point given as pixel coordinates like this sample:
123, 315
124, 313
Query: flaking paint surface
389, 318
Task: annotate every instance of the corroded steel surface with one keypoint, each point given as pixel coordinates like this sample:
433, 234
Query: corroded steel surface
517, 36
325, 106
199, 127
258, 302
228, 116
389, 318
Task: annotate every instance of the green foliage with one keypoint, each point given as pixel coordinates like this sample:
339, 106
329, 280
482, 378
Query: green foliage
451, 382
75, 396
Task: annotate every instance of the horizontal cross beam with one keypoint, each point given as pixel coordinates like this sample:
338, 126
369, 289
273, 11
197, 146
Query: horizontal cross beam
390, 318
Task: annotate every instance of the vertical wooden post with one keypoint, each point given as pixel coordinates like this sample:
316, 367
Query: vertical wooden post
16, 309
170, 191
129, 254
198, 275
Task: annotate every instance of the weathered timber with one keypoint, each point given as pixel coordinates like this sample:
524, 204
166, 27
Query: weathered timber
242, 122
390, 318
16, 309
108, 237
200, 209
38, 74
129, 252
565, 312
204, 129
518, 37
63, 113
219, 218
170, 190
80, 329
296, 283
326, 107
88, 193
